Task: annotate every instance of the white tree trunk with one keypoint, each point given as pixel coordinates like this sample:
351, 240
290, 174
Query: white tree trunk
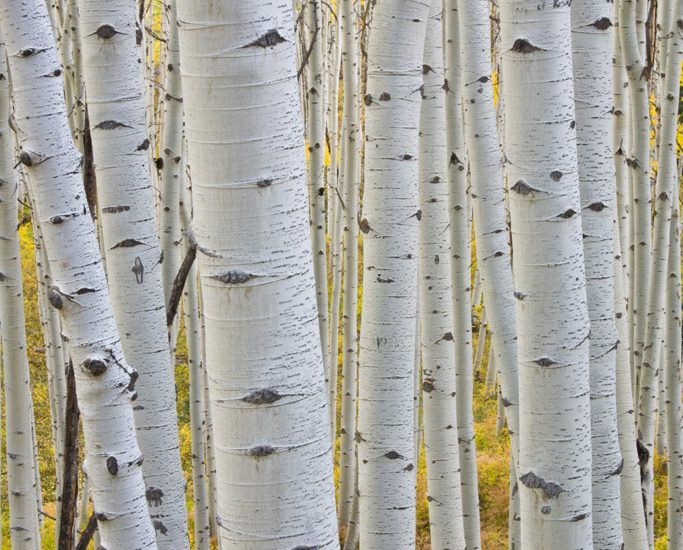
21, 487
113, 458
351, 169
116, 109
553, 326
440, 420
665, 193
263, 356
592, 62
386, 440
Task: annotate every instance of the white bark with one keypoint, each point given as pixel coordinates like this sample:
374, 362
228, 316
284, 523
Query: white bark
440, 420
80, 291
540, 145
263, 357
386, 448
351, 179
592, 62
116, 109
22, 493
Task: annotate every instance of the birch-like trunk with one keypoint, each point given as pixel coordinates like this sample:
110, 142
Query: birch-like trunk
263, 357
440, 419
116, 110
665, 194
592, 62
550, 284
351, 178
113, 459
21, 487
389, 222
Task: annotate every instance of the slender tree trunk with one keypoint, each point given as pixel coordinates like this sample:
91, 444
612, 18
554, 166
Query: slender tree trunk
441, 428
113, 458
351, 179
263, 355
553, 325
592, 62
21, 487
386, 440
116, 110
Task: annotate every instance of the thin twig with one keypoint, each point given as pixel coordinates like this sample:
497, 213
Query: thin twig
179, 283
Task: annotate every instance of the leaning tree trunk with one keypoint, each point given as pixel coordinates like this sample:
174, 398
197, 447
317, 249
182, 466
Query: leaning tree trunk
386, 432
103, 378
116, 110
439, 393
553, 326
263, 355
21, 486
666, 194
592, 62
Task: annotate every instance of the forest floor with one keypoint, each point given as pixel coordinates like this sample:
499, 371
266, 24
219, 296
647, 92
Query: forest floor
492, 448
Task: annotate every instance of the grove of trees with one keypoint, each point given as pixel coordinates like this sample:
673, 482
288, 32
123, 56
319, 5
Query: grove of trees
325, 274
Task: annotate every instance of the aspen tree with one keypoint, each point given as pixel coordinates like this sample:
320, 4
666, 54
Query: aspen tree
554, 471
21, 487
250, 215
103, 378
351, 169
134, 260
389, 222
592, 63
440, 420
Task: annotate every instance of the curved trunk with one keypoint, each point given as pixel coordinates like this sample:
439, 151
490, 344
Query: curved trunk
263, 357
550, 284
386, 423
113, 459
116, 110
21, 487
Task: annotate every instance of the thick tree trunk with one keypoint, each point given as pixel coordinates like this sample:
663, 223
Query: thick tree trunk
550, 284
263, 356
52, 164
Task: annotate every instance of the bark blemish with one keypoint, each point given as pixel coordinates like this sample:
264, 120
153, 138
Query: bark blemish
154, 496
106, 32
159, 526
522, 188
428, 385
269, 39
597, 206
522, 45
96, 367
618, 469
112, 465
110, 125
232, 277
143, 146
532, 481
127, 243
545, 362
385, 96
603, 23
567, 214
364, 226
392, 455
579, 517
519, 295
138, 269
555, 175
264, 183
261, 397
545, 510
54, 296
115, 209
261, 451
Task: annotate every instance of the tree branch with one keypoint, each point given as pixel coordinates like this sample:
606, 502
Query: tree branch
179, 283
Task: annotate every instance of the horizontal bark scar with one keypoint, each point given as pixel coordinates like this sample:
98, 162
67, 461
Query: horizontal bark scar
271, 38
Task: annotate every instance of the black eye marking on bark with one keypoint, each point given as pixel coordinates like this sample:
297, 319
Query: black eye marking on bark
532, 481
261, 451
406, 157
106, 32
28, 52
545, 362
505, 401
96, 367
159, 526
579, 517
428, 385
110, 125
112, 465
597, 206
85, 290
261, 397
153, 495
385, 96
127, 243
522, 188
233, 277
143, 146
522, 45
364, 226
519, 295
545, 509
409, 468
159, 163
602, 24
101, 516
618, 469
426, 69
556, 175
567, 214
264, 183
393, 455
138, 269
270, 39
367, 100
